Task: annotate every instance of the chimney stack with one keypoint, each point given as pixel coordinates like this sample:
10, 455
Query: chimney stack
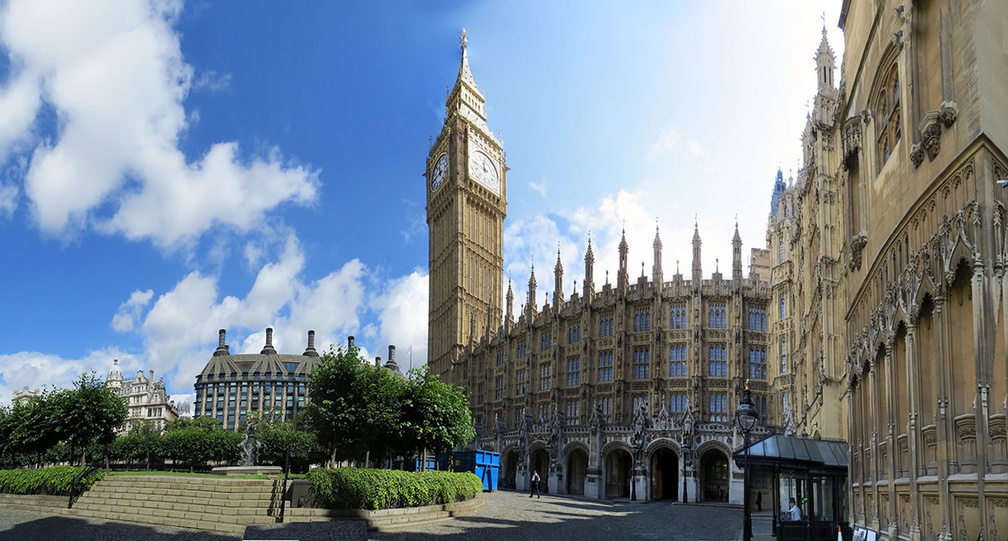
222, 348
269, 349
310, 351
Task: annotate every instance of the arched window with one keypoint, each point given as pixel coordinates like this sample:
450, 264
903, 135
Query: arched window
887, 111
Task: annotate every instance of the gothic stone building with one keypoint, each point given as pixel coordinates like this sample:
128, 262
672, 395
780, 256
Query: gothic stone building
624, 391
892, 255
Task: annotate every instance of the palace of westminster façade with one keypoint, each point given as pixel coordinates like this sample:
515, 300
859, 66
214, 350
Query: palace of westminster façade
874, 316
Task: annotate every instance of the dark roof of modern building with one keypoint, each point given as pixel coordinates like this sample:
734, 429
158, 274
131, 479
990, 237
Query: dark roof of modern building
785, 450
223, 363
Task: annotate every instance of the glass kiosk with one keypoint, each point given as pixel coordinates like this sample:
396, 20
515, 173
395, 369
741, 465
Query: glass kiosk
814, 473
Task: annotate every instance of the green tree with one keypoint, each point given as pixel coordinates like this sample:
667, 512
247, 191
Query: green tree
434, 415
359, 410
89, 413
199, 441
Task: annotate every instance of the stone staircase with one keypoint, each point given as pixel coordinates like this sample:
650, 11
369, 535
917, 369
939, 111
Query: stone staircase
207, 503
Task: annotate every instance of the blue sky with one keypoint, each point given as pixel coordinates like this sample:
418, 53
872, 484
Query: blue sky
168, 169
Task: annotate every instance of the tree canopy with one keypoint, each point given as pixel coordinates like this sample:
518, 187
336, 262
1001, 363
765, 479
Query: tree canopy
358, 408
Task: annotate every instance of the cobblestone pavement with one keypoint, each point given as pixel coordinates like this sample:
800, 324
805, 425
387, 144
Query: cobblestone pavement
514, 516
506, 515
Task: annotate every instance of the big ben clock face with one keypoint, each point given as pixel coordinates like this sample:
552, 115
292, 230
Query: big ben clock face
439, 173
483, 170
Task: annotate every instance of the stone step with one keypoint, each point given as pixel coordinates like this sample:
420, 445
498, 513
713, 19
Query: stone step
199, 521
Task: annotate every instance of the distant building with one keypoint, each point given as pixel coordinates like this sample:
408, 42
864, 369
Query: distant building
146, 399
23, 396
233, 385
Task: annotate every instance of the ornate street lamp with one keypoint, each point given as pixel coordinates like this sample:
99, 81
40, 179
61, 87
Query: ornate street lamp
746, 418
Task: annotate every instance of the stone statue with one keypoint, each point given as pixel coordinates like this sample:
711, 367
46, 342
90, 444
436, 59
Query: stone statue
250, 445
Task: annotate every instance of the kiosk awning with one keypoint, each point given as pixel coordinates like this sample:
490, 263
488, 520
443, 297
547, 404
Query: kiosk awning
781, 449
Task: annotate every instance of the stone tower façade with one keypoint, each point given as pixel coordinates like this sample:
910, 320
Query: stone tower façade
466, 204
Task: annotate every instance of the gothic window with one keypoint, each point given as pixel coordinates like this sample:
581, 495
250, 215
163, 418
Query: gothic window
574, 333
519, 417
677, 361
573, 410
718, 367
760, 403
677, 402
500, 358
780, 250
574, 371
606, 404
783, 306
642, 320
757, 363
677, 317
605, 325
783, 355
887, 110
641, 362
545, 376
716, 316
521, 376
521, 350
718, 407
757, 319
545, 341
605, 366
640, 401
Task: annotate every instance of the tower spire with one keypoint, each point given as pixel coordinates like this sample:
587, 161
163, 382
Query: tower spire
622, 278
697, 269
656, 270
737, 256
589, 279
558, 283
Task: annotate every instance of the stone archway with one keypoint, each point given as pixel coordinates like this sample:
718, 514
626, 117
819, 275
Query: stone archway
714, 476
618, 466
664, 474
577, 469
540, 462
509, 469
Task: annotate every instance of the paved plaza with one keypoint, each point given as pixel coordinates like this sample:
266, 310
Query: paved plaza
506, 515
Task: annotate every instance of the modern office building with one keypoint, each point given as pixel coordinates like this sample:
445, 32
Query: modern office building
233, 385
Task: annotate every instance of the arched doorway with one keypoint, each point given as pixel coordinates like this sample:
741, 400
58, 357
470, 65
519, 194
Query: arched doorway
540, 463
714, 476
664, 474
577, 469
617, 473
510, 467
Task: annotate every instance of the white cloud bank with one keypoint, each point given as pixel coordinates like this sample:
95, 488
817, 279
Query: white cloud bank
112, 72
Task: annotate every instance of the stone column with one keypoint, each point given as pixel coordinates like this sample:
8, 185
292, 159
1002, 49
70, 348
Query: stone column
915, 445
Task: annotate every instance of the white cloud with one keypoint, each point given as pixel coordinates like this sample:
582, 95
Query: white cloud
402, 314
114, 74
677, 143
539, 188
40, 371
180, 328
8, 199
212, 81
129, 311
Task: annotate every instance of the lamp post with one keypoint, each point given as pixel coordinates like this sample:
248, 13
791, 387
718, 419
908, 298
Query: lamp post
746, 419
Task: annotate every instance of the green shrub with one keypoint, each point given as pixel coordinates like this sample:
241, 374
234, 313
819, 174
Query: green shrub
355, 488
57, 480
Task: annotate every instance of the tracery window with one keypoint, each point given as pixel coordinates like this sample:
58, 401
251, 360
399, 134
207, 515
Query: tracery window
887, 111
677, 317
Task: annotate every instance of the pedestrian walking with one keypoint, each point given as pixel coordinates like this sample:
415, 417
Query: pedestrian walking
535, 485
759, 500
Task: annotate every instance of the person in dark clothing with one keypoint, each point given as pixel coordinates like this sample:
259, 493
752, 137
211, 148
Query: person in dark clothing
535, 485
759, 500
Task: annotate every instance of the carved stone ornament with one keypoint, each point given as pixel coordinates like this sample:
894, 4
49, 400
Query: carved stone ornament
865, 116
949, 113
916, 154
930, 131
857, 244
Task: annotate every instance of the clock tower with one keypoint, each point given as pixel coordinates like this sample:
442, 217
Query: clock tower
466, 204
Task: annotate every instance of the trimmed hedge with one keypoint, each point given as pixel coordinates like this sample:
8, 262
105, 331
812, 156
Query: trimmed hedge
57, 480
356, 488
